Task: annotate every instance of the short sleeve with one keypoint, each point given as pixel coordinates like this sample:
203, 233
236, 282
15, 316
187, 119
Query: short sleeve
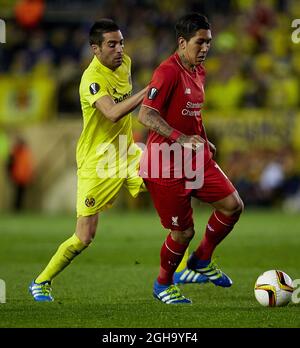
160, 88
92, 88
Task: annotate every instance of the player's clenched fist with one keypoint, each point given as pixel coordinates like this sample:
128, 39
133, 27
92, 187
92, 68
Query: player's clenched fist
191, 141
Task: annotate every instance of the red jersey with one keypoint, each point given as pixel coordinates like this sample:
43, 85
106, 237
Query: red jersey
178, 95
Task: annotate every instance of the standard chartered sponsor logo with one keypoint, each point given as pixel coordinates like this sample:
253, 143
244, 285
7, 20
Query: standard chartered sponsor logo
188, 110
194, 105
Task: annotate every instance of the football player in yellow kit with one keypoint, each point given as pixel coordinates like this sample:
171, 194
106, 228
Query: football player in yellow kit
107, 158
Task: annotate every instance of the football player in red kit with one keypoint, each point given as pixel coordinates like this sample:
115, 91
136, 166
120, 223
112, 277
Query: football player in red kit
172, 111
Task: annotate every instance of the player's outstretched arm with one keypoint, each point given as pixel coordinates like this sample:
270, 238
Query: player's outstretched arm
115, 111
152, 119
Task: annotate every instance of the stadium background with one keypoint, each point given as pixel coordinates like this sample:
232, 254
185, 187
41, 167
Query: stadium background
251, 114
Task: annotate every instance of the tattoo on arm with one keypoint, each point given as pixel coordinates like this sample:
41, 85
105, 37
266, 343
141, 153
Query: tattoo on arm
155, 122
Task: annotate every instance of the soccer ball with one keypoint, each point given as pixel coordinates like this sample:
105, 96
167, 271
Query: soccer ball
273, 289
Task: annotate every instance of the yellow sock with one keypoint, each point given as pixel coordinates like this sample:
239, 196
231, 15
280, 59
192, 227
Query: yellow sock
182, 264
64, 255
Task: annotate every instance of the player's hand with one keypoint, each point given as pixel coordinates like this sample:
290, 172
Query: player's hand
212, 148
190, 141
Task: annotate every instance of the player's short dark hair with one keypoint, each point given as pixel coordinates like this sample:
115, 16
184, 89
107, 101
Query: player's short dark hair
189, 24
104, 25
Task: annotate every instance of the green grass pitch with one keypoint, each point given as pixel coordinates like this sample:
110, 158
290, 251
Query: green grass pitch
110, 284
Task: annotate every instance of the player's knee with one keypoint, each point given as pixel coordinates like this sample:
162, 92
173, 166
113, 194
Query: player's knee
189, 233
235, 206
88, 235
183, 237
241, 206
86, 229
238, 207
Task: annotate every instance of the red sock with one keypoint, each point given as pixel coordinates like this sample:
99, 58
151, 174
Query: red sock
217, 228
171, 254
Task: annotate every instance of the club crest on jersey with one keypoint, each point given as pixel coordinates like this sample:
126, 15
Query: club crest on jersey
187, 91
90, 202
152, 93
94, 88
175, 221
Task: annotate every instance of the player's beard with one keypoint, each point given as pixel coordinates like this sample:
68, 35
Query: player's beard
118, 61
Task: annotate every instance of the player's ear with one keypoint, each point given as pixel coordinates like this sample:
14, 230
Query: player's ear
182, 43
95, 48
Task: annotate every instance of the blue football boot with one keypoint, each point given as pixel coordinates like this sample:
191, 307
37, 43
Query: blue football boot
169, 294
188, 276
41, 292
209, 269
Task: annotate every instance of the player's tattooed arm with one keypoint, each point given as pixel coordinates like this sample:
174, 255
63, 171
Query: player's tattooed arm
152, 120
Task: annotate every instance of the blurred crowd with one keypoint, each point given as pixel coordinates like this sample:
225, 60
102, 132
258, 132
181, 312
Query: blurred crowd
266, 178
253, 63
252, 53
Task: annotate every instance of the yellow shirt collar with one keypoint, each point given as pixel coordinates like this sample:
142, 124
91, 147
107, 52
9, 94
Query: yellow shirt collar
102, 67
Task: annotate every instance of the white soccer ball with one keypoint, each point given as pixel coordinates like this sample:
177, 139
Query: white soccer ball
273, 289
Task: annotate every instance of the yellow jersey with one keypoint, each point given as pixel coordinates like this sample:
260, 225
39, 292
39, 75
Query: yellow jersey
99, 133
